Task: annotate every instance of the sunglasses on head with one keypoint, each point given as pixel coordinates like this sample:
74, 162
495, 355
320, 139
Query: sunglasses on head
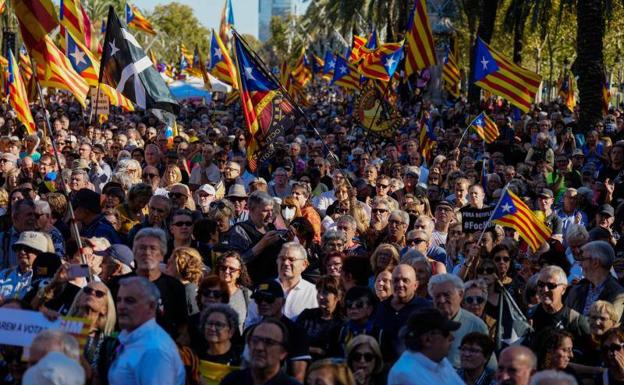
486, 270
91, 291
474, 300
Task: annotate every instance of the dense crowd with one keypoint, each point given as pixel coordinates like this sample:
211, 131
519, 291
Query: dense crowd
373, 267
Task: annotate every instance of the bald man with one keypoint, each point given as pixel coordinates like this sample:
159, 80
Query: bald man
516, 365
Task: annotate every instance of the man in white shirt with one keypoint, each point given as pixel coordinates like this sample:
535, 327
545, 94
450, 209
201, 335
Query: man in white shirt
146, 354
300, 294
427, 340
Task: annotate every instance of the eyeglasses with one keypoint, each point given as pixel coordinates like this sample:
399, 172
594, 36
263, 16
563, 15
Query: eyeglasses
268, 342
486, 270
212, 293
359, 304
502, 259
91, 291
215, 324
228, 269
474, 300
367, 357
149, 175
415, 241
549, 285
466, 349
180, 224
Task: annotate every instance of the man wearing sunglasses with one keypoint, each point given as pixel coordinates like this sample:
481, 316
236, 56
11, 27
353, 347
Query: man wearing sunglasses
15, 281
269, 300
428, 339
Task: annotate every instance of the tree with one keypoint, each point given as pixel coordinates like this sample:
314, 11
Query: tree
485, 32
176, 24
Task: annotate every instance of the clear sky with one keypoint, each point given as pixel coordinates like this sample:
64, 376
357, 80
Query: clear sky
208, 12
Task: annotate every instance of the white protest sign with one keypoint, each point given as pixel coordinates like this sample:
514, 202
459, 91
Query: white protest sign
19, 327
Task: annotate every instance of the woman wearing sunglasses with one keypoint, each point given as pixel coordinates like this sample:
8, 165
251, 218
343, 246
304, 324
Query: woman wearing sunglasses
475, 298
613, 356
94, 302
365, 360
359, 307
233, 272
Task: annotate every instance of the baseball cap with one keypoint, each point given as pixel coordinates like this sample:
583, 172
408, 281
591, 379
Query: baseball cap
33, 239
424, 320
208, 189
270, 289
121, 253
607, 209
88, 200
545, 193
413, 171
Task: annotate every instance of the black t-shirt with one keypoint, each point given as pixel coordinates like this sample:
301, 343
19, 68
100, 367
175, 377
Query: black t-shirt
319, 331
232, 357
298, 342
243, 377
171, 312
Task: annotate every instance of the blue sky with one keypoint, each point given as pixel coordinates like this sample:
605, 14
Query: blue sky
209, 12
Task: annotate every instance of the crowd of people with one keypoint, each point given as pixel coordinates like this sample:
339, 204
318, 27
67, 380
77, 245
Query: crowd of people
344, 259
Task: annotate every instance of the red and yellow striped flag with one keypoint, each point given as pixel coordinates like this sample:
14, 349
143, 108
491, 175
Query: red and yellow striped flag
451, 75
25, 66
485, 128
359, 42
136, 20
512, 212
381, 63
17, 96
346, 75
36, 19
221, 65
116, 98
57, 71
74, 18
419, 47
301, 73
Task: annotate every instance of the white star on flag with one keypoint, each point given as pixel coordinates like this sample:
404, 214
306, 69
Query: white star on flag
479, 122
217, 53
484, 63
113, 48
249, 73
390, 62
506, 207
331, 64
78, 56
343, 70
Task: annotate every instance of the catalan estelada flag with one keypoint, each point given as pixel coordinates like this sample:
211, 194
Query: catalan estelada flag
427, 139
566, 90
485, 128
451, 75
25, 64
328, 68
74, 18
116, 98
301, 71
502, 77
606, 94
268, 112
58, 71
221, 66
81, 59
512, 212
382, 62
36, 19
227, 21
17, 95
346, 74
317, 64
136, 20
419, 47
372, 42
356, 48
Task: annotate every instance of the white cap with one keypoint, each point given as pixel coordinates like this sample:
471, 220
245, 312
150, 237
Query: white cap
208, 189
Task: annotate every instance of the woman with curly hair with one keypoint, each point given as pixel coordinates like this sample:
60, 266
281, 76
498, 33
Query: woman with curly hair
172, 175
233, 273
187, 266
385, 257
346, 203
556, 352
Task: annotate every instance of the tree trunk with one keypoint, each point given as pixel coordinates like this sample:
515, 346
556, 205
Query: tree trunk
485, 32
589, 64
518, 38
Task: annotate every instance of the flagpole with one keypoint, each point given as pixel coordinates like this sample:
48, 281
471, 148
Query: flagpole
94, 107
269, 74
466, 130
64, 187
492, 214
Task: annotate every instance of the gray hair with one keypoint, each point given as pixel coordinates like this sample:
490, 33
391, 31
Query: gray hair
429, 225
551, 376
296, 246
576, 232
557, 272
259, 198
601, 251
43, 207
412, 257
152, 232
68, 344
230, 315
477, 284
440, 279
401, 214
347, 219
80, 172
334, 234
149, 289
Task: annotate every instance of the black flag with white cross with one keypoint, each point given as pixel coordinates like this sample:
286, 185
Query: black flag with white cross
127, 68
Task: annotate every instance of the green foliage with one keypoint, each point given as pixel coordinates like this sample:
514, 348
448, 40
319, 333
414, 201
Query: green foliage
176, 24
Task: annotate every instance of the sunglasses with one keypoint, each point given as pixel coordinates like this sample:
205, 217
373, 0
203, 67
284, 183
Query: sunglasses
359, 304
265, 298
383, 185
474, 300
487, 270
150, 176
379, 211
367, 357
415, 241
180, 224
212, 293
228, 269
502, 259
549, 285
90, 291
613, 348
26, 249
